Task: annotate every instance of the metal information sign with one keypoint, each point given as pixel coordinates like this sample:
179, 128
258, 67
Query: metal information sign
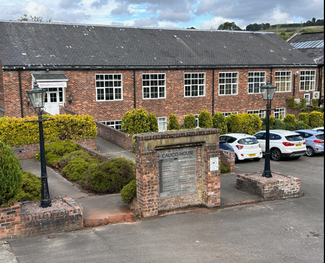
177, 172
214, 164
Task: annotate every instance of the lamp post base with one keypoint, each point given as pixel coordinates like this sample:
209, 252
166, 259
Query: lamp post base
46, 203
267, 174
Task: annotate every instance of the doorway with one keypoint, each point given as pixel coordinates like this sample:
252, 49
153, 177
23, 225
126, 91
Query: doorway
53, 99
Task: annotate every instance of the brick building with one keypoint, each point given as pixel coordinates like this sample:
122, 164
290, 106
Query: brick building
105, 71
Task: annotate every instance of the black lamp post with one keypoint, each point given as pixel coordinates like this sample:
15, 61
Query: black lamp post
268, 91
36, 96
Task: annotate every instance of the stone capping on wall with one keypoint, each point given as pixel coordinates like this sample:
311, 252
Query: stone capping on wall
110, 134
278, 186
14, 222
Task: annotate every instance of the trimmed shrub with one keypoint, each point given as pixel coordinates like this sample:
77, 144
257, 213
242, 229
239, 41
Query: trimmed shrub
234, 123
300, 125
75, 169
271, 122
278, 124
10, 175
129, 191
153, 122
250, 123
109, 176
205, 119
303, 116
290, 119
224, 168
290, 126
316, 119
68, 157
303, 103
30, 189
189, 121
314, 103
16, 131
220, 122
292, 103
136, 121
173, 123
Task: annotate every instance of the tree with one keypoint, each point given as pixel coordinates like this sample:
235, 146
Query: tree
229, 26
32, 18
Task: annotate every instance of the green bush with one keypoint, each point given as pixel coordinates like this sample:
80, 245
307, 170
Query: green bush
303, 103
10, 175
75, 169
136, 121
250, 123
278, 124
300, 125
316, 119
220, 122
153, 122
290, 126
129, 191
234, 123
30, 189
224, 168
189, 121
205, 119
173, 123
271, 122
68, 157
290, 119
109, 176
17, 131
303, 116
55, 151
292, 103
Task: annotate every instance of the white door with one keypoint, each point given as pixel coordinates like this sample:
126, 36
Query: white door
54, 97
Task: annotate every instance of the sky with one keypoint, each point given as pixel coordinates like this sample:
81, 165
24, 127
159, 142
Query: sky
202, 14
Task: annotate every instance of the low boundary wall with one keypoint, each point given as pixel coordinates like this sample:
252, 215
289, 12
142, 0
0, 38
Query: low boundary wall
14, 222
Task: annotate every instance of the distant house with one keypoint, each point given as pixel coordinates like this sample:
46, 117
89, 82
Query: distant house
108, 70
312, 45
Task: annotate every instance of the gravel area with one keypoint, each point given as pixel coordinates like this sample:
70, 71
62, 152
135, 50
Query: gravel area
35, 208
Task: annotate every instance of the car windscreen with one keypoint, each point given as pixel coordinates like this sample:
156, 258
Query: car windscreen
320, 136
293, 138
249, 140
224, 145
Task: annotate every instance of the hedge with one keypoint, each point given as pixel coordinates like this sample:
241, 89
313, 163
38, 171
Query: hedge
17, 131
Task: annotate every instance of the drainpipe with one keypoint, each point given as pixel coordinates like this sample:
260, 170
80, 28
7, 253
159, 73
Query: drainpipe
134, 93
320, 84
21, 96
212, 92
294, 85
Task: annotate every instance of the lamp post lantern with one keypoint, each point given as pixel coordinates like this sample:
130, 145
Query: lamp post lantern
36, 96
268, 91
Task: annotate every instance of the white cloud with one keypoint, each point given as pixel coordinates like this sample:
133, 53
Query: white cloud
215, 22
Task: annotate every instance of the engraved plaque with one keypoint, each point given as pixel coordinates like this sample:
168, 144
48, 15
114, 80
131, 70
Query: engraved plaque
177, 172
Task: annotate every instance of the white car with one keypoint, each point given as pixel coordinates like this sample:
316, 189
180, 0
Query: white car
283, 143
319, 129
245, 146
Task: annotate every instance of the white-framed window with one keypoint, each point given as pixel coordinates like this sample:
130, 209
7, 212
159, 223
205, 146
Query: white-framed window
194, 84
307, 97
109, 87
228, 83
114, 124
227, 114
307, 80
260, 113
162, 124
53, 95
283, 81
154, 86
278, 112
255, 80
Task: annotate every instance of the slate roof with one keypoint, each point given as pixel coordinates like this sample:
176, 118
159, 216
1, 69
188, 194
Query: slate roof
317, 54
39, 45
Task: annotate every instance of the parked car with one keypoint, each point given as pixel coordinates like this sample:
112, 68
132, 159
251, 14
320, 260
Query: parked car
225, 146
319, 129
283, 144
314, 141
245, 146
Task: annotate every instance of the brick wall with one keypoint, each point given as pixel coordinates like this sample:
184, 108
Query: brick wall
82, 85
207, 183
2, 101
14, 222
228, 158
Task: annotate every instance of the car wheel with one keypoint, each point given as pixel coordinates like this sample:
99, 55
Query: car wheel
257, 159
275, 154
310, 152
